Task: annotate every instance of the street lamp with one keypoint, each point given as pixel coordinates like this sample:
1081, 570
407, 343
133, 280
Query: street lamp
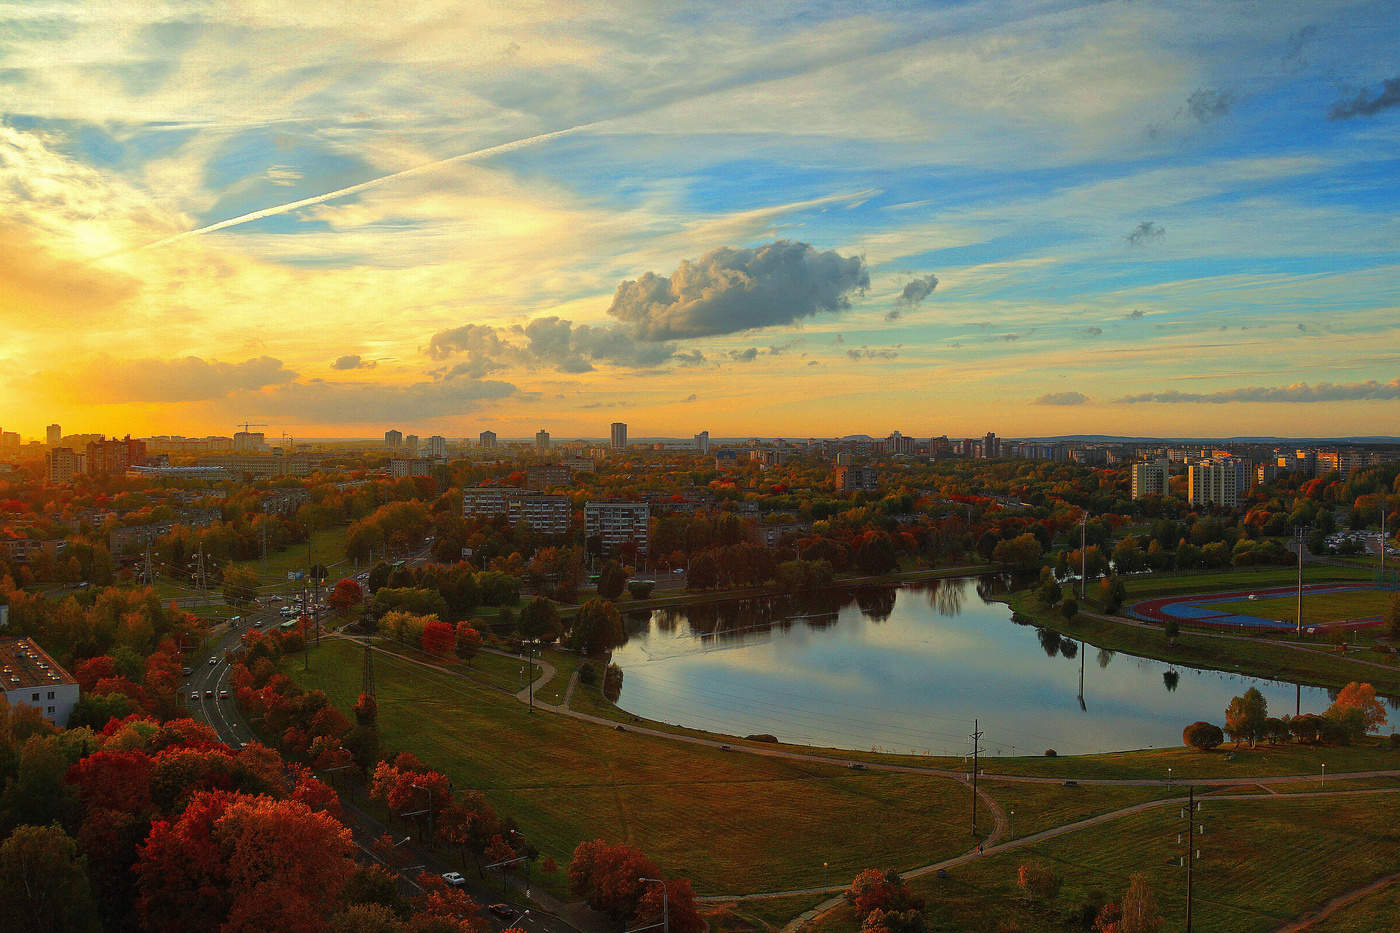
1169, 777
665, 923
1324, 774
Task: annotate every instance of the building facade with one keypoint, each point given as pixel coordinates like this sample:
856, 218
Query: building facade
62, 464
487, 440
615, 523
32, 678
619, 435
1217, 482
1150, 477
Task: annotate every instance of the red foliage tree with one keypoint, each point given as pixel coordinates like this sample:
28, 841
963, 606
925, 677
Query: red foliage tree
606, 876
114, 780
88, 673
438, 638
346, 595
468, 641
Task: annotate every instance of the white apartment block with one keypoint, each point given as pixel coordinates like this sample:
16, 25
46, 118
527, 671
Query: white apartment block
1150, 477
616, 523
32, 678
1217, 482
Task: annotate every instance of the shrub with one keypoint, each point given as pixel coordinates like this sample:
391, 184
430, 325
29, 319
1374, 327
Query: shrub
1050, 753
587, 674
1069, 608
612, 682
1039, 882
640, 589
1202, 736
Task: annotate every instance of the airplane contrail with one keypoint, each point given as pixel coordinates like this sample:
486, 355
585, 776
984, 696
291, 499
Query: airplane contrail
362, 186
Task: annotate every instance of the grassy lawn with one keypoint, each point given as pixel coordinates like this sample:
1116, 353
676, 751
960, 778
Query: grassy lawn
1140, 587
1264, 861
1033, 807
506, 674
327, 547
1369, 755
1373, 912
731, 823
774, 912
565, 663
1259, 656
1318, 607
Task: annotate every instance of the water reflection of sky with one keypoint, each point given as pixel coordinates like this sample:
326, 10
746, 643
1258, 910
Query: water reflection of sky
915, 679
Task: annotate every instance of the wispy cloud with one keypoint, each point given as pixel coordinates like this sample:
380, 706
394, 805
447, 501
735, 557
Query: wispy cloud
1300, 392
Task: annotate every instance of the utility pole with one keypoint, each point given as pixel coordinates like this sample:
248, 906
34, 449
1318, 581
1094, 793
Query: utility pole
1083, 555
1298, 533
1193, 854
1382, 540
530, 673
976, 747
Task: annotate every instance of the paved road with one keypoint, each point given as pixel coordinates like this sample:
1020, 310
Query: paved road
233, 729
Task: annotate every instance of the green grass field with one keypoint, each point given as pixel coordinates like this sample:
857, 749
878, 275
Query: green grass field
1374, 912
1243, 578
1264, 861
1317, 607
731, 823
327, 547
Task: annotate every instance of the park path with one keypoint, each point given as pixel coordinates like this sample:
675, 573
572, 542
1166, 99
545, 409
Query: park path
833, 902
1325, 910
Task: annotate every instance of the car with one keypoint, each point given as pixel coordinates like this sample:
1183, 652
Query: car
1070, 784
213, 662
454, 878
725, 748
504, 911
257, 624
223, 694
1253, 595
620, 728
209, 694
856, 766
187, 671
195, 696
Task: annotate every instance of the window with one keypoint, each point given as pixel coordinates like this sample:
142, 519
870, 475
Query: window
36, 698
50, 694
50, 710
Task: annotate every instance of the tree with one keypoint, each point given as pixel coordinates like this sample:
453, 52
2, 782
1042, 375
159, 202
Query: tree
1392, 617
346, 596
438, 638
1069, 608
539, 620
611, 580
468, 641
1039, 882
1244, 717
1361, 697
1202, 736
1022, 552
873, 890
597, 628
366, 710
240, 585
1172, 629
681, 908
607, 877
43, 883
1140, 914
703, 573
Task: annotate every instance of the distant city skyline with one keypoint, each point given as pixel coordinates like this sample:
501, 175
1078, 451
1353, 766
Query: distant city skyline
1158, 219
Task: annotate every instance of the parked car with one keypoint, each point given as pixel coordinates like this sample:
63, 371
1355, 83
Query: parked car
504, 911
454, 878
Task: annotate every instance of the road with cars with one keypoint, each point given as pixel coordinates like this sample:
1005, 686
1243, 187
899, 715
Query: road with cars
208, 695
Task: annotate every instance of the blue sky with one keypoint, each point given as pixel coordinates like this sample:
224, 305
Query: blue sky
222, 210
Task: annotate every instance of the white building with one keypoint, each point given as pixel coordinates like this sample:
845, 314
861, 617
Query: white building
32, 678
436, 447
547, 514
63, 464
1217, 482
616, 523
619, 435
702, 442
1150, 477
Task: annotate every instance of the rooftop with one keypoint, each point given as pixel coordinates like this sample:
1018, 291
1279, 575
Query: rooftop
24, 664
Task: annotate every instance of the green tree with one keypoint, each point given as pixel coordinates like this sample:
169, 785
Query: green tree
43, 883
1202, 736
1392, 617
240, 586
1022, 552
1244, 717
611, 580
1069, 608
597, 628
539, 620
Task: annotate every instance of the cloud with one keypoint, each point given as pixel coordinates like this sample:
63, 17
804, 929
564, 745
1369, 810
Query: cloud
1146, 232
917, 290
1207, 104
37, 286
1092, 332
548, 341
731, 290
1298, 392
893, 316
107, 380
1367, 103
367, 402
1137, 314
865, 353
690, 358
744, 356
1063, 398
352, 361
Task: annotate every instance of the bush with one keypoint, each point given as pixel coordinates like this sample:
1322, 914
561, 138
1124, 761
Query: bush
640, 589
1039, 882
1202, 736
1171, 629
587, 674
612, 682
1069, 608
1050, 753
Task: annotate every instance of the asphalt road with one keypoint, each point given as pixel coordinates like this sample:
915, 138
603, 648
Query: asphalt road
233, 729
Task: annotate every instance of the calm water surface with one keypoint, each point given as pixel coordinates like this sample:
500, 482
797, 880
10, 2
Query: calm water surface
907, 669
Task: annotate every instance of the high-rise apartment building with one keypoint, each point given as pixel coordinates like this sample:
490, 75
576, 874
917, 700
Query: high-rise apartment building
1150, 477
62, 464
542, 441
437, 447
106, 457
702, 442
619, 435
991, 446
617, 523
1217, 482
546, 514
410, 445
54, 435
249, 442
856, 478
393, 439
487, 440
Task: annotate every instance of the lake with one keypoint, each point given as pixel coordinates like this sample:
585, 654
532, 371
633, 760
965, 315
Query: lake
907, 669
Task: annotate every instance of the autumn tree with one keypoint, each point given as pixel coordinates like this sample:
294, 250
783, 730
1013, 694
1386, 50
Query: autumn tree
611, 580
438, 638
873, 889
1040, 883
345, 597
606, 876
468, 641
43, 883
1361, 697
366, 710
1140, 913
684, 915
597, 628
1202, 736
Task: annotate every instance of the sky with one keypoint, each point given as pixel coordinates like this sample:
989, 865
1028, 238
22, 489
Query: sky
778, 219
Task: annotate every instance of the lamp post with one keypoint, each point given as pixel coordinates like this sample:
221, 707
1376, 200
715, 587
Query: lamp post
430, 808
1324, 774
1083, 553
665, 908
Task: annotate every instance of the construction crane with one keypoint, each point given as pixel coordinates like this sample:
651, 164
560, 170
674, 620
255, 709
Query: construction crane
250, 424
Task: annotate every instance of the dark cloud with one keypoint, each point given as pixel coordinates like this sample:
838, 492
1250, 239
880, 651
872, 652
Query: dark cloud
1367, 103
1063, 398
485, 350
690, 358
731, 290
865, 353
1009, 338
744, 356
547, 341
1299, 392
1207, 104
1137, 314
1293, 52
894, 316
1146, 232
690, 398
917, 290
180, 380
352, 361
1092, 332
